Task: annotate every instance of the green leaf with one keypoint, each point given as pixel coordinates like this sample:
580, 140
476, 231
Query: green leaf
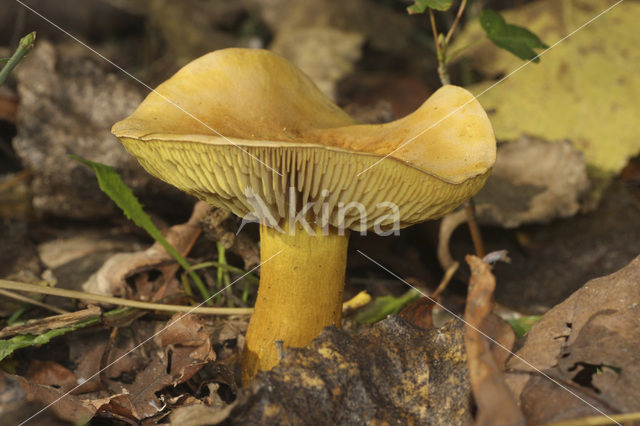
2, 60
420, 6
384, 306
8, 346
517, 40
523, 324
111, 184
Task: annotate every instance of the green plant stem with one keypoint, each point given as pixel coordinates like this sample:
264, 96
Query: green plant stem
245, 292
226, 266
52, 291
249, 278
26, 43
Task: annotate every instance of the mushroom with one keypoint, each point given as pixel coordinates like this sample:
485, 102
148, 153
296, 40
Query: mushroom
246, 130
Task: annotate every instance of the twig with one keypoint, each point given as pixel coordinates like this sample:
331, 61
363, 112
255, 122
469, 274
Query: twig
474, 228
26, 43
447, 39
33, 288
432, 18
448, 274
25, 299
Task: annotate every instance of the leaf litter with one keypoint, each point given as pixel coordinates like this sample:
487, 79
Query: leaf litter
400, 369
394, 371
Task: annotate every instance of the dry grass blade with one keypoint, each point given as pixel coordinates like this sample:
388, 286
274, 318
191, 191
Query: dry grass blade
33, 288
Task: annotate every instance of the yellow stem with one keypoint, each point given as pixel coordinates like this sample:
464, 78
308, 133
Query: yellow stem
300, 293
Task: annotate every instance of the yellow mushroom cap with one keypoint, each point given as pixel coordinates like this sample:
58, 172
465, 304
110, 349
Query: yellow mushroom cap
240, 125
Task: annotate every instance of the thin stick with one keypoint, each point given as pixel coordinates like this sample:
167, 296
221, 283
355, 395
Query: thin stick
25, 45
455, 22
24, 299
474, 228
449, 273
432, 18
52, 291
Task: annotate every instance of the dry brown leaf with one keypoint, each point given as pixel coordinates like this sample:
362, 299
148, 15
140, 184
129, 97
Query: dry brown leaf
199, 415
110, 279
588, 344
167, 360
16, 391
51, 373
419, 313
495, 402
533, 181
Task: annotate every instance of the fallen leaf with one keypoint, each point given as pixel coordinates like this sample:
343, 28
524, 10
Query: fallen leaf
68, 103
111, 278
325, 54
169, 359
419, 313
588, 344
582, 89
199, 415
533, 181
486, 337
51, 373
16, 391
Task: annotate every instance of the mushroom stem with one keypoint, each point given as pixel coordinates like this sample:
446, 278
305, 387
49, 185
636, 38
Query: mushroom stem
300, 293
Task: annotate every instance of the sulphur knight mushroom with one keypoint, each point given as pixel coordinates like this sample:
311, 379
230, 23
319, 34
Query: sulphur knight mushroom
247, 131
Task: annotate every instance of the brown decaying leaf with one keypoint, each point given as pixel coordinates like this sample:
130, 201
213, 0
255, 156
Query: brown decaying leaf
135, 387
495, 402
173, 358
589, 344
199, 415
110, 279
16, 391
419, 313
51, 373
